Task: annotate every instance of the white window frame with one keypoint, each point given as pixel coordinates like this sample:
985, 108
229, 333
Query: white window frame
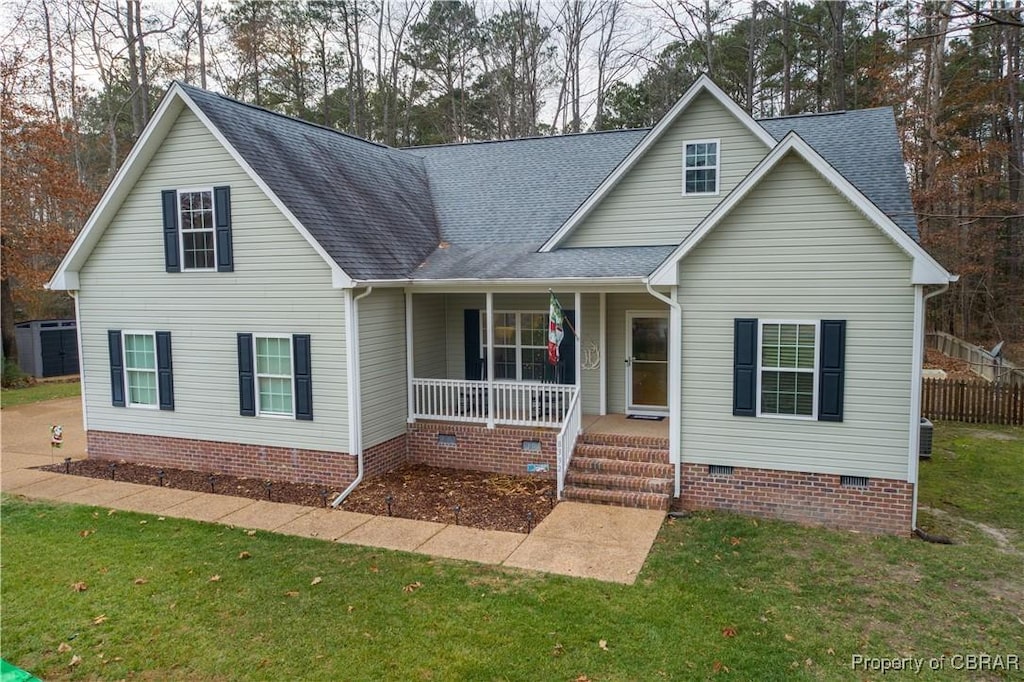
717, 168
519, 345
124, 364
813, 416
181, 228
256, 374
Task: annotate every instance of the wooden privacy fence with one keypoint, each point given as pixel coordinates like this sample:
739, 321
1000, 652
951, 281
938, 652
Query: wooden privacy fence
980, 360
979, 402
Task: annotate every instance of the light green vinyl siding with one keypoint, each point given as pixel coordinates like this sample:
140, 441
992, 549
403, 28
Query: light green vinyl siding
618, 305
280, 286
796, 250
647, 206
429, 346
382, 363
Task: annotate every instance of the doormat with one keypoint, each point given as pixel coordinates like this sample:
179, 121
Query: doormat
646, 417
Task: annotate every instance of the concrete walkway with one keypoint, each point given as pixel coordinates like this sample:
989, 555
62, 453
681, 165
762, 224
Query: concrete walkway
575, 539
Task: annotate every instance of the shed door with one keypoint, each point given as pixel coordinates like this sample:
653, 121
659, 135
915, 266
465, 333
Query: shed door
59, 350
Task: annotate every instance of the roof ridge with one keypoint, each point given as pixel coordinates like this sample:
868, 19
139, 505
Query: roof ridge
524, 139
288, 117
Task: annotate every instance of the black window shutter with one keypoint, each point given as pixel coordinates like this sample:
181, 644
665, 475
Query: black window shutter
222, 211
171, 255
116, 368
164, 370
246, 377
831, 370
474, 363
567, 350
744, 368
303, 377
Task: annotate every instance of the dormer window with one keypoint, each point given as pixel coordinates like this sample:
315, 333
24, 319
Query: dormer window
700, 167
198, 241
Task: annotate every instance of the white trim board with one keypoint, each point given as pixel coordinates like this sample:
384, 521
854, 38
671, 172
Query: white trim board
702, 84
176, 99
926, 270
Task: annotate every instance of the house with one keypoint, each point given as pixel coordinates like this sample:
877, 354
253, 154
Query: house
262, 296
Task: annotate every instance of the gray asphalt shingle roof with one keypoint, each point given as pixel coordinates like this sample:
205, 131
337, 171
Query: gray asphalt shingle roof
864, 146
368, 205
481, 210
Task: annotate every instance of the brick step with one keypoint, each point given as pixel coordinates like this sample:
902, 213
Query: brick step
628, 454
618, 498
622, 467
622, 440
641, 484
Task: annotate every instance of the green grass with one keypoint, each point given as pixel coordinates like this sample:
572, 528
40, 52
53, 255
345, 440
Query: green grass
977, 472
10, 397
767, 600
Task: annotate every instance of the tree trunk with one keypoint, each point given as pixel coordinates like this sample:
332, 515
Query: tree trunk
7, 322
51, 67
133, 70
201, 34
837, 13
787, 60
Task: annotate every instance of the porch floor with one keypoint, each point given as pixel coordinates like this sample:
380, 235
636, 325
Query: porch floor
621, 424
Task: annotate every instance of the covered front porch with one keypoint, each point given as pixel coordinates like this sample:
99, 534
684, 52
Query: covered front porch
480, 358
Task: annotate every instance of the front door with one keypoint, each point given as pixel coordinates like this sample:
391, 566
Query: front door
647, 362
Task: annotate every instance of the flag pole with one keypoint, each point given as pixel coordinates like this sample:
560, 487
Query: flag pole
565, 319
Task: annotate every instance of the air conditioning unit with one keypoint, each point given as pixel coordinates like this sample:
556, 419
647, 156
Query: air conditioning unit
925, 442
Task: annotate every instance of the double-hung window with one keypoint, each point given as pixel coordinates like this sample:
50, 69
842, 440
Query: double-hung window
140, 369
274, 375
788, 371
197, 229
700, 167
520, 344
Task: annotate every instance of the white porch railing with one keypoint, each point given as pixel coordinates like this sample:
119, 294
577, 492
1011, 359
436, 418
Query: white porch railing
515, 403
567, 439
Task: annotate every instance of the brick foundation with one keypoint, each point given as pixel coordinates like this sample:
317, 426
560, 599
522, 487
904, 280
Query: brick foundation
294, 465
498, 450
384, 457
885, 506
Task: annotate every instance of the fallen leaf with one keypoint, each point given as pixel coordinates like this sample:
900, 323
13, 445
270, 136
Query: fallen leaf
143, 522
351, 608
790, 638
374, 569
603, 644
316, 581
75, 660
291, 593
160, 518
215, 579
79, 587
582, 678
86, 533
63, 648
412, 587
140, 581
808, 663
244, 555
832, 652
718, 667
558, 650
95, 515
250, 533
100, 619
111, 512
728, 632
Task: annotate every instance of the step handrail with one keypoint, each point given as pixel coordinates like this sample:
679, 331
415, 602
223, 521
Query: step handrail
567, 437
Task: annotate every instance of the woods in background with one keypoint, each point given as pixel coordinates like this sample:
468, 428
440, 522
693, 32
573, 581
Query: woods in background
80, 79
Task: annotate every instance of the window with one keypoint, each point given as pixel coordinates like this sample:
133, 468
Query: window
520, 345
274, 375
198, 238
788, 371
140, 369
700, 164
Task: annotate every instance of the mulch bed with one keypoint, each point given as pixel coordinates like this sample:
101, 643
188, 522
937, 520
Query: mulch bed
955, 368
487, 501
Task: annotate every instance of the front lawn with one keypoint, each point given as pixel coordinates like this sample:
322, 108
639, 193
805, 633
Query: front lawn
720, 596
11, 397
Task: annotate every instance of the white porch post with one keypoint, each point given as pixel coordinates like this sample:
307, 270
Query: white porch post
603, 352
490, 360
579, 341
675, 366
410, 365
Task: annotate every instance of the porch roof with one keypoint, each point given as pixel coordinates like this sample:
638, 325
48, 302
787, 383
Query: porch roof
521, 261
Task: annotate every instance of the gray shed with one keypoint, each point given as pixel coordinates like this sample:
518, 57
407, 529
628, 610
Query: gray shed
47, 348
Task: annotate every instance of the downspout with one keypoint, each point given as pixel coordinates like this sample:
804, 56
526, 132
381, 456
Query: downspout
355, 416
675, 366
81, 362
915, 417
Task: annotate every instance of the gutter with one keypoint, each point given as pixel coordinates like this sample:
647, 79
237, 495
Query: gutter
355, 417
675, 351
915, 435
